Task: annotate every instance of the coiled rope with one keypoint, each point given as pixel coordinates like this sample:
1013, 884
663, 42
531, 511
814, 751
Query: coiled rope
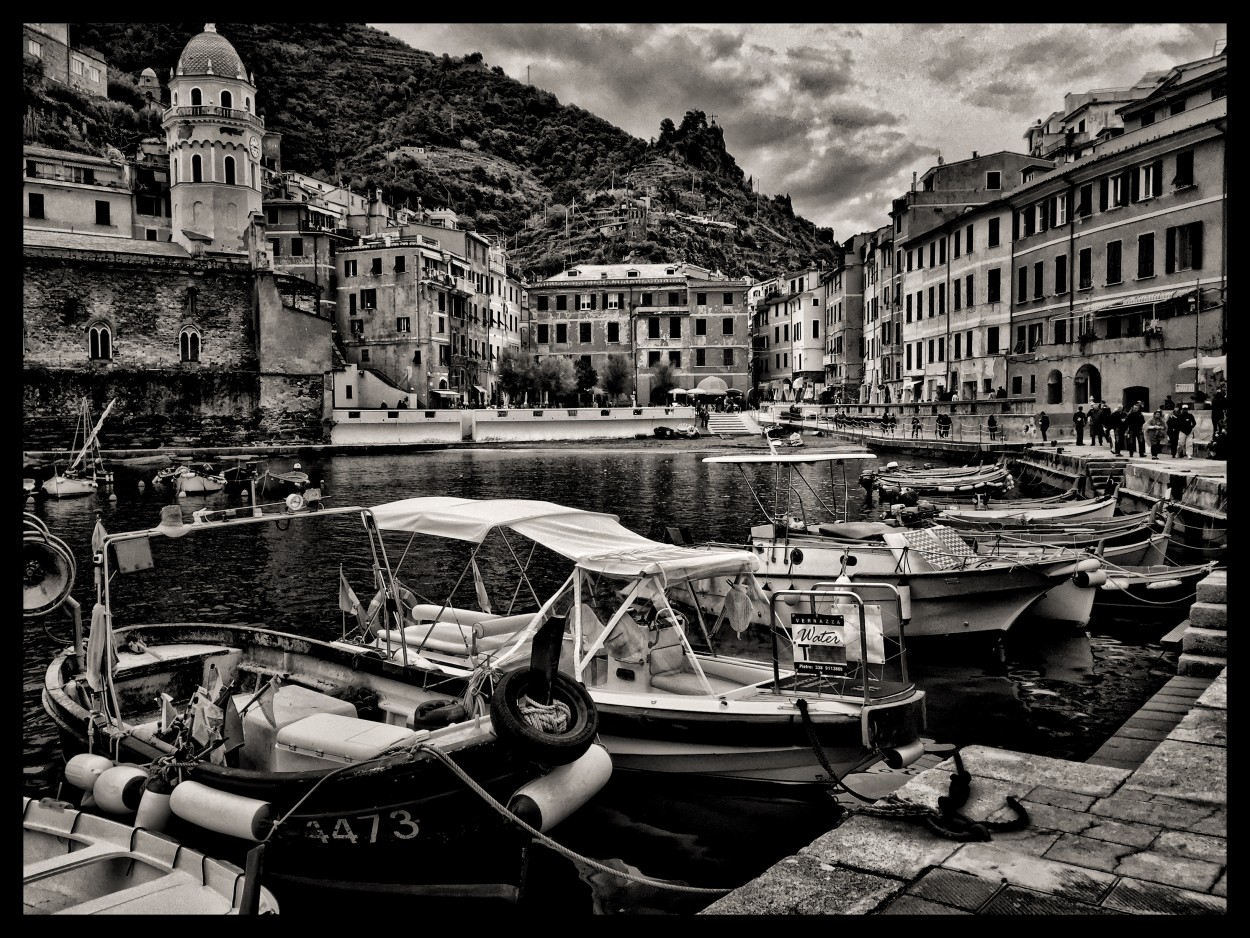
550, 718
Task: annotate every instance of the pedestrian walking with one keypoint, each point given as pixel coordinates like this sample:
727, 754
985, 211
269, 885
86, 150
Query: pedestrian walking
1185, 425
1114, 422
943, 426
1096, 436
1078, 424
1173, 423
1219, 404
915, 427
992, 426
1134, 420
1043, 424
1156, 432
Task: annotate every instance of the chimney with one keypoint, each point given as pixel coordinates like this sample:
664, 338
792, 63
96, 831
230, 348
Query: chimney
913, 180
974, 154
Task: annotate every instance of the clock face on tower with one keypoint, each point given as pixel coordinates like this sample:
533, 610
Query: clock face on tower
254, 146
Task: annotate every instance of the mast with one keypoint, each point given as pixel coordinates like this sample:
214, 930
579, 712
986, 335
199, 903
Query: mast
95, 430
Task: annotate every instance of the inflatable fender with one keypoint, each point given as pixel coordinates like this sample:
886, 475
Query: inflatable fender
1085, 579
83, 770
220, 811
119, 789
546, 801
511, 726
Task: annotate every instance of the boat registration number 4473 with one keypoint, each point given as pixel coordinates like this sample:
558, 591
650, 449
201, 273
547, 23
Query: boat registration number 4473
363, 828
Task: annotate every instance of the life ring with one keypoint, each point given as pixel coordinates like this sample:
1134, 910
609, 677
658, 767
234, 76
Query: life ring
407, 599
508, 716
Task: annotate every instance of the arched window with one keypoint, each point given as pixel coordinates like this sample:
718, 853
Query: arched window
197, 168
230, 170
196, 98
247, 104
100, 339
174, 161
197, 213
226, 99
189, 344
175, 99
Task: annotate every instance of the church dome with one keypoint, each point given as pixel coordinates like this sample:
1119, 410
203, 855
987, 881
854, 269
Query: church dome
211, 53
148, 73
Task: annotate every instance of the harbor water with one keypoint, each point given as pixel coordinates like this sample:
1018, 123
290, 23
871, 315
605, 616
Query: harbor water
640, 846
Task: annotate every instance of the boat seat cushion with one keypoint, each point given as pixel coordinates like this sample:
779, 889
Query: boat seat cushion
856, 530
667, 656
687, 683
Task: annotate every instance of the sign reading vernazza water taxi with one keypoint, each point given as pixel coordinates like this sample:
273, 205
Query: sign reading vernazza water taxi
825, 642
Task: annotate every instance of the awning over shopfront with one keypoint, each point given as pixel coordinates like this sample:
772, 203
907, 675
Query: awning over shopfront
442, 393
479, 389
1113, 305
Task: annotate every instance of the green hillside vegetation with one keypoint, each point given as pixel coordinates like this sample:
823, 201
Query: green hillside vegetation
509, 156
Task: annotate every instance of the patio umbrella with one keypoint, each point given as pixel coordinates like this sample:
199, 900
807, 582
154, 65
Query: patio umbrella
1209, 362
713, 385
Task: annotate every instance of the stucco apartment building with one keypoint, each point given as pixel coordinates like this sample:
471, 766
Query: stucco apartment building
82, 69
1118, 260
693, 319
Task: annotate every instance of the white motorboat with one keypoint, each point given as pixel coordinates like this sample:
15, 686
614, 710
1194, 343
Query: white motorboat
829, 694
948, 589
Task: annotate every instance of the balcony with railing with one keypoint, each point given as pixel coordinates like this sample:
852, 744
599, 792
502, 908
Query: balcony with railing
217, 113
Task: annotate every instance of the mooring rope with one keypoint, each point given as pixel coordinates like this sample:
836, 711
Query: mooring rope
550, 718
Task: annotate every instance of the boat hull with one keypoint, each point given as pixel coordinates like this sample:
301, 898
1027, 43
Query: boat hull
974, 600
63, 487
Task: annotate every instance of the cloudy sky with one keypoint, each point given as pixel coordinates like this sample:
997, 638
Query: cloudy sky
838, 116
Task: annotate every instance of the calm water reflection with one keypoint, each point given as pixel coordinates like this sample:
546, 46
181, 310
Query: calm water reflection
1061, 697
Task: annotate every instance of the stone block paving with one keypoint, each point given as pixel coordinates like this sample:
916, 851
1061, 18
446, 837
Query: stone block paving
1145, 835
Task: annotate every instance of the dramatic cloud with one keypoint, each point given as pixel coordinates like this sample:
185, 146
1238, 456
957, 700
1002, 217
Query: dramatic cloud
837, 116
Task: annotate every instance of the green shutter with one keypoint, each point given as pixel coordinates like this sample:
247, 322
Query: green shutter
1195, 244
1169, 251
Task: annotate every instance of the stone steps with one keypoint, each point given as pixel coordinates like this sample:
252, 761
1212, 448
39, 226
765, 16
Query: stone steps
1204, 638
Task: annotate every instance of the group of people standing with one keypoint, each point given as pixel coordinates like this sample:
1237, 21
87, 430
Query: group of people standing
1128, 428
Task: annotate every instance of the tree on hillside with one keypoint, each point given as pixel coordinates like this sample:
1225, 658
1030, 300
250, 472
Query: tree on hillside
662, 379
617, 376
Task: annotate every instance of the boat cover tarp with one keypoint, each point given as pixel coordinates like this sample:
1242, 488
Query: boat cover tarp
595, 541
1095, 508
783, 458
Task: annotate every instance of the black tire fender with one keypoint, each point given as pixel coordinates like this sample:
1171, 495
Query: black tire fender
531, 742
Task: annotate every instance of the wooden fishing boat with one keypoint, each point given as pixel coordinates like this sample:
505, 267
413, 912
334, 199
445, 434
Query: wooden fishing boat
831, 694
895, 484
189, 477
78, 863
1157, 591
241, 473
1068, 512
353, 770
86, 472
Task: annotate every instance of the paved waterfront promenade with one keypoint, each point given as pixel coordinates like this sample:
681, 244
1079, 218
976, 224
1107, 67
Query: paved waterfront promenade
1140, 828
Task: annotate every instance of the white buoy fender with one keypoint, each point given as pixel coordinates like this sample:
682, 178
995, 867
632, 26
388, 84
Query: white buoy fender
220, 811
154, 811
1088, 565
1163, 584
84, 769
1085, 579
120, 789
545, 802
